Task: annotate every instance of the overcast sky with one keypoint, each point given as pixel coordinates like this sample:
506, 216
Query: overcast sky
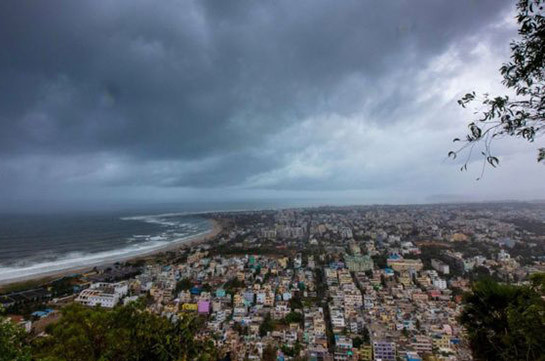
153, 101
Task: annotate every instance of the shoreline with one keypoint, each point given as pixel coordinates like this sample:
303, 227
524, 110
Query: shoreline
49, 276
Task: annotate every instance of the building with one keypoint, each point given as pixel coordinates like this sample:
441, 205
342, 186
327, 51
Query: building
404, 264
203, 307
503, 256
422, 344
358, 263
103, 294
384, 351
412, 356
439, 283
440, 266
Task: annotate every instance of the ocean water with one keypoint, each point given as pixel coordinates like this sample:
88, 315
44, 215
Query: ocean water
37, 244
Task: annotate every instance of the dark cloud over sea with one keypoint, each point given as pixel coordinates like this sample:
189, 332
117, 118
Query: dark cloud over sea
137, 99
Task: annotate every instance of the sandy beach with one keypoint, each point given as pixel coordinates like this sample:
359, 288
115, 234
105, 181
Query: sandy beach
172, 246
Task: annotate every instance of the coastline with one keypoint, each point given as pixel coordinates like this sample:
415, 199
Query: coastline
172, 246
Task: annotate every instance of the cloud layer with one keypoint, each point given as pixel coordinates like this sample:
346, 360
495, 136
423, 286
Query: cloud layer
103, 99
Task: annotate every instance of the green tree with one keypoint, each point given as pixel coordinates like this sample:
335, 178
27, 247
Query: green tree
523, 115
125, 333
506, 322
13, 345
233, 285
357, 342
269, 353
183, 285
266, 326
294, 317
365, 336
292, 351
296, 302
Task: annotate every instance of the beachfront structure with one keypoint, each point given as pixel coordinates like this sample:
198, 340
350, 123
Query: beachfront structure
104, 294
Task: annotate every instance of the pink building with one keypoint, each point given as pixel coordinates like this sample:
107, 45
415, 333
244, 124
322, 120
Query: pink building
203, 306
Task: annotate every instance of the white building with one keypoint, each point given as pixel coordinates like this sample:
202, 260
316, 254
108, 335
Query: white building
440, 266
503, 256
103, 294
439, 283
337, 318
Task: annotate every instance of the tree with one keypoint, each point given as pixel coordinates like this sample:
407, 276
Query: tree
294, 317
13, 345
292, 351
266, 326
269, 353
295, 302
366, 337
125, 333
521, 116
183, 285
357, 342
506, 322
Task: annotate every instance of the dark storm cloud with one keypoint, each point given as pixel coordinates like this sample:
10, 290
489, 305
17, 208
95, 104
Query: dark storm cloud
186, 81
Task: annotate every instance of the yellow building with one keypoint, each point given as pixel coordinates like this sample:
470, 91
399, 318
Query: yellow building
405, 279
189, 307
237, 299
283, 262
365, 353
459, 237
442, 342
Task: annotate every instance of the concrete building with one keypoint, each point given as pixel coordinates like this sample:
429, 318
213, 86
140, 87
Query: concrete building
440, 266
359, 263
103, 294
384, 351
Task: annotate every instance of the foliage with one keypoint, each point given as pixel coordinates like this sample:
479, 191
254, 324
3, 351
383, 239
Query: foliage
294, 317
205, 287
25, 309
506, 322
242, 330
62, 287
357, 342
380, 260
12, 342
125, 333
269, 353
296, 302
183, 285
233, 284
266, 326
523, 115
366, 336
292, 351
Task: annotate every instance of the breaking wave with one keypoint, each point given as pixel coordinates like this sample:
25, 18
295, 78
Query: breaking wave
175, 228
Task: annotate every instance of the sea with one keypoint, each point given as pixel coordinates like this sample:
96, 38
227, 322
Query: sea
38, 244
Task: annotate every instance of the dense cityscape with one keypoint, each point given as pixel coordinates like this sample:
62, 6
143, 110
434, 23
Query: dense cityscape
329, 283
